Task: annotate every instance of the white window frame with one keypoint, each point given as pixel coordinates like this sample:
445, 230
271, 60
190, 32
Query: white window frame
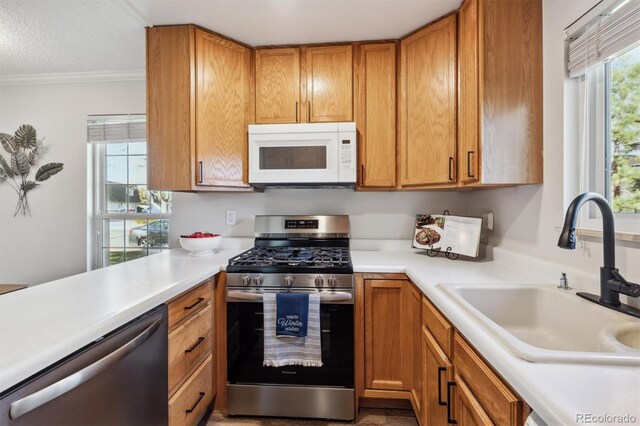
597, 158
99, 203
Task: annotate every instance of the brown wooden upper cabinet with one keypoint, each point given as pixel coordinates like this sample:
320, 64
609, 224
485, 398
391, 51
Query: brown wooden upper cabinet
428, 94
278, 85
199, 103
500, 92
329, 89
304, 84
375, 114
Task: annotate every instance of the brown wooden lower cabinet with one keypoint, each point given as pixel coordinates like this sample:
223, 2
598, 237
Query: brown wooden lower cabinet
437, 371
388, 341
501, 404
190, 356
416, 347
411, 351
190, 402
468, 410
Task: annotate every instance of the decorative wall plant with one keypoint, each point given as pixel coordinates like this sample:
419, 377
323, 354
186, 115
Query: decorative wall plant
24, 149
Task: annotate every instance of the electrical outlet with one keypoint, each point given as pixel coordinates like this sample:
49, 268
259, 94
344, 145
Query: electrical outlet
231, 217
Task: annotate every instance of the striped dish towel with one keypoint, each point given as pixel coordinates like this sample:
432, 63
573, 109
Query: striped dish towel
286, 350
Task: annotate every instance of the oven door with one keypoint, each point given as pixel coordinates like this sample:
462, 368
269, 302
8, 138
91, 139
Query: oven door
245, 344
276, 158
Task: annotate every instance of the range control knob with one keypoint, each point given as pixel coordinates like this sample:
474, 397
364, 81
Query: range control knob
288, 280
259, 279
318, 281
332, 281
245, 280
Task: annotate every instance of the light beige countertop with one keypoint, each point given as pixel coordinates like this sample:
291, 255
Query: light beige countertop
42, 324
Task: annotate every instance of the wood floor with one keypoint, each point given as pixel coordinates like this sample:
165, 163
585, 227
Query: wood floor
368, 416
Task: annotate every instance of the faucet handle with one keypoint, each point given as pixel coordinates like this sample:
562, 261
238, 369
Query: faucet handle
625, 287
619, 277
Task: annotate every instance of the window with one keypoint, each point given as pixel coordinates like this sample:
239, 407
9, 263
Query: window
622, 144
605, 59
130, 221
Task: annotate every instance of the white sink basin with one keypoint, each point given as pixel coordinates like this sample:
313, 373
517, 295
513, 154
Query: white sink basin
540, 323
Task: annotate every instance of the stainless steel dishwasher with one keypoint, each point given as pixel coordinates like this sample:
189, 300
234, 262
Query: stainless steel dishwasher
119, 379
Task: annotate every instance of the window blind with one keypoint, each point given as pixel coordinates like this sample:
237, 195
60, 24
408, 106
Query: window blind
604, 38
117, 128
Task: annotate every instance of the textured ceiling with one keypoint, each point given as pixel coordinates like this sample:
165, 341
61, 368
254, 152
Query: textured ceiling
76, 36
269, 22
61, 36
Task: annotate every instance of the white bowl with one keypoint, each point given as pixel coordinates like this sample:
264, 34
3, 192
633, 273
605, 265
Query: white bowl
200, 246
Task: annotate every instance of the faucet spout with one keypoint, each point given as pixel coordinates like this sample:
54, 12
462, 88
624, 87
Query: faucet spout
567, 238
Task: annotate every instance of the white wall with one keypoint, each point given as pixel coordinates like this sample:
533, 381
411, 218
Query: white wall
526, 217
52, 243
374, 215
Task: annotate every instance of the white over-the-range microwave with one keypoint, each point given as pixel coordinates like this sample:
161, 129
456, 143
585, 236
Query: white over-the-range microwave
314, 154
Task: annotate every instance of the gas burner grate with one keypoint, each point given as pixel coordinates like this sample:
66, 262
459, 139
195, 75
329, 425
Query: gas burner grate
294, 256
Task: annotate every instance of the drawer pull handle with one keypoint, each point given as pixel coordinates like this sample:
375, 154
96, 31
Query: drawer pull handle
440, 401
450, 418
195, 345
187, 308
201, 177
190, 410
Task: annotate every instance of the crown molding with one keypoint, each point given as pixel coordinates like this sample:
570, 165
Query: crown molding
72, 77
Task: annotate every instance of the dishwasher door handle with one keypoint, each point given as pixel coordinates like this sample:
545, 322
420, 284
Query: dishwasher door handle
54, 390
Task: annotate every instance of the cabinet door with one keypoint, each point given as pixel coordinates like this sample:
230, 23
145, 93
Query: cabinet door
387, 338
170, 107
428, 105
223, 94
329, 72
468, 103
502, 405
468, 410
277, 85
376, 114
416, 348
437, 372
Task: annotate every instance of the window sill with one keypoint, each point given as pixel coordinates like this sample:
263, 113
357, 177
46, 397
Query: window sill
620, 236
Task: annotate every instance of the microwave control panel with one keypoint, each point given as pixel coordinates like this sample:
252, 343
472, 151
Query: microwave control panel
347, 152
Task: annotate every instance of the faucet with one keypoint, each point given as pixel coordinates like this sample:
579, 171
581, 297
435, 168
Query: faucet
612, 283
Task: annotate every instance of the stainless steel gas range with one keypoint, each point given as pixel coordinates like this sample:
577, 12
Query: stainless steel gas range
303, 254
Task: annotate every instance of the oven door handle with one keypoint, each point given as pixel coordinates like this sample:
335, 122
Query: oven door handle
338, 296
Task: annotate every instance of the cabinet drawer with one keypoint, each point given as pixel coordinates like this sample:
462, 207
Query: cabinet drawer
190, 402
188, 344
189, 303
439, 327
501, 404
